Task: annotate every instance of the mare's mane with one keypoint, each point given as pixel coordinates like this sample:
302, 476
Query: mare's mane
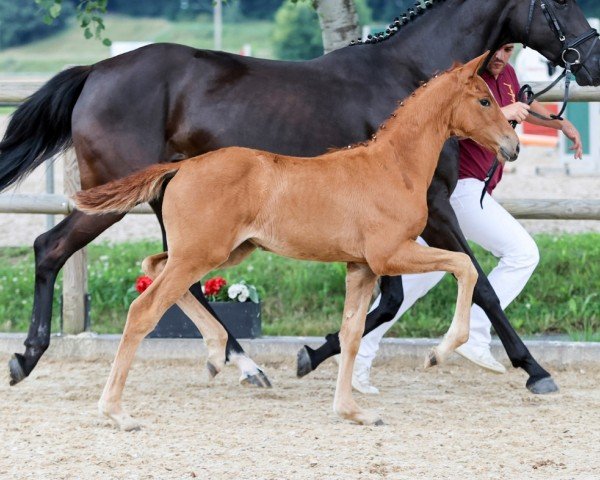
407, 17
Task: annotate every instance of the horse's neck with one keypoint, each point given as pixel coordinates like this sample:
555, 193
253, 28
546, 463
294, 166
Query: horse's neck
467, 29
418, 129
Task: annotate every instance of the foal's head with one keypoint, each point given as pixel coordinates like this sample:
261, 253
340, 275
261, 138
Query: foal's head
477, 115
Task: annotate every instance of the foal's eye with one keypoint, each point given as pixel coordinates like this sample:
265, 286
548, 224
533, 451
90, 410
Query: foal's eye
561, 2
485, 102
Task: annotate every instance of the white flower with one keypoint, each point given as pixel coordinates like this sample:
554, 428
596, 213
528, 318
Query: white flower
238, 291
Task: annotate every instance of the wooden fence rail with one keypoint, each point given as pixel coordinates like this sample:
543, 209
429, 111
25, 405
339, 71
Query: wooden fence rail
13, 92
523, 208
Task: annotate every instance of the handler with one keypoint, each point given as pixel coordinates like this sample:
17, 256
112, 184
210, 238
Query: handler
491, 227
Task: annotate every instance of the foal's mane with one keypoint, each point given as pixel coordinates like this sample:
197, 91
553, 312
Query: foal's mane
400, 103
407, 17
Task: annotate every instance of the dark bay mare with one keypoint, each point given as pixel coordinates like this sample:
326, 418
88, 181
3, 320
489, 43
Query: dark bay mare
163, 103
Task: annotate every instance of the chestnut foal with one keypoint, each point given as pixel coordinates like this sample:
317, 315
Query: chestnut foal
364, 205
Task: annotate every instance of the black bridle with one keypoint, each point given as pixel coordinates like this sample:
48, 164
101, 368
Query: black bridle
569, 54
569, 47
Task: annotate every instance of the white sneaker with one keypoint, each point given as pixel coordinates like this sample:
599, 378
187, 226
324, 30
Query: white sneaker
360, 379
481, 356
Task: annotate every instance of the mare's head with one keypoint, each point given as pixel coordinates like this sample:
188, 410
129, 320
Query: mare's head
477, 115
558, 30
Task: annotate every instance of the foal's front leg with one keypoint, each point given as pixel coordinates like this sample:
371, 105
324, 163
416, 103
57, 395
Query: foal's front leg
414, 258
360, 281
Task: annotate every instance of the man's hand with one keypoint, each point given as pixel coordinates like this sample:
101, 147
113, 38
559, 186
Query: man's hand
572, 134
516, 112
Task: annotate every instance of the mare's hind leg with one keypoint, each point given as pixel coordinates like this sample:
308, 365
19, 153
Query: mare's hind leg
360, 281
415, 258
213, 333
52, 250
144, 313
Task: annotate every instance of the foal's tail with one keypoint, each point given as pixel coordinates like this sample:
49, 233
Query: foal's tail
122, 195
41, 127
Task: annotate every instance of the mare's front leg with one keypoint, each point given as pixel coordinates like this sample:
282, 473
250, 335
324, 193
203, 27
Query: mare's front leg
414, 258
390, 301
360, 281
443, 231
52, 250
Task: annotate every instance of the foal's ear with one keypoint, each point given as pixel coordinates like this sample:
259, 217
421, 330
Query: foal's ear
474, 66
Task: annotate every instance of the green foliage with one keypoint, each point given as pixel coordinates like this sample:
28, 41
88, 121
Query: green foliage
51, 54
90, 15
260, 9
385, 10
590, 7
365, 14
297, 34
21, 22
306, 298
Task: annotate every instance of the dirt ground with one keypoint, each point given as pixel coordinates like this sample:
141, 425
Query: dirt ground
453, 422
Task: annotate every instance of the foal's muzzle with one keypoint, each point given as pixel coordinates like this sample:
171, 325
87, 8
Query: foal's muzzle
510, 155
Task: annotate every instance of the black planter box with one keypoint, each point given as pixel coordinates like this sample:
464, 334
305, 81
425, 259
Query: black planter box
242, 319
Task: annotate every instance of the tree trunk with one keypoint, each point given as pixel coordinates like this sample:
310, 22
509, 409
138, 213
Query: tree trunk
339, 22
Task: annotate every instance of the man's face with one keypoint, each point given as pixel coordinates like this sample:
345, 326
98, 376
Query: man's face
500, 59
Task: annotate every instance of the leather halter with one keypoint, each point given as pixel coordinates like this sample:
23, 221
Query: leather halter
569, 47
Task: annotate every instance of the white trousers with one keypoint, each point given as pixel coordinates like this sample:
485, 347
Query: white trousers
498, 232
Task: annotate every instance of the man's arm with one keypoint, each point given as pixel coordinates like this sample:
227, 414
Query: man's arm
519, 112
564, 126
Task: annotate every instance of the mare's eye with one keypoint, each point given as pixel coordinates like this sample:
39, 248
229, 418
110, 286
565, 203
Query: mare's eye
561, 2
485, 102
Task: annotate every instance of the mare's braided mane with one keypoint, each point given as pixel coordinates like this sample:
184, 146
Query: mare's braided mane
399, 22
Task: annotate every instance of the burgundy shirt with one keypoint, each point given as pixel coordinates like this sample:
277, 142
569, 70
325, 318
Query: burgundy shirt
475, 161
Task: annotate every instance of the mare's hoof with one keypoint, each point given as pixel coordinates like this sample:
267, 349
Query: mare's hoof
17, 372
431, 360
259, 380
212, 370
303, 363
543, 386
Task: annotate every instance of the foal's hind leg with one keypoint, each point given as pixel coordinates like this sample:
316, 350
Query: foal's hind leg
144, 313
415, 258
213, 333
360, 281
251, 374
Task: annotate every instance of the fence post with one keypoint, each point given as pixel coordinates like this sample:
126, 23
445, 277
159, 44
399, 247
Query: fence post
75, 269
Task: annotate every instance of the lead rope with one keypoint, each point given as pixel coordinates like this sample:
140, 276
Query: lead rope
526, 96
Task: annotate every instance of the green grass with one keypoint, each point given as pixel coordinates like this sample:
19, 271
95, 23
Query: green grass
69, 47
306, 298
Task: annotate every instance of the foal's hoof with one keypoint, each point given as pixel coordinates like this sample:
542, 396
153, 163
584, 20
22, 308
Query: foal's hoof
432, 359
362, 417
15, 366
303, 363
543, 386
259, 379
124, 422
212, 370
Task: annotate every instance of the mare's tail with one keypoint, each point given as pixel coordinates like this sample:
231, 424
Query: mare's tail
41, 127
122, 195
